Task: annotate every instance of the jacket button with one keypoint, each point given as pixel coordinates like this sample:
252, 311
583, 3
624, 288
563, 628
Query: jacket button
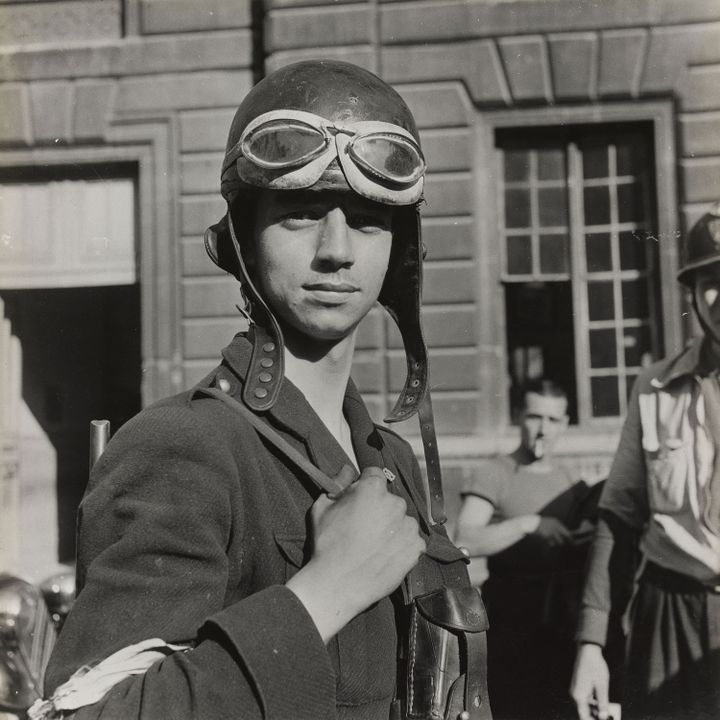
268, 347
267, 362
265, 377
260, 393
224, 385
464, 551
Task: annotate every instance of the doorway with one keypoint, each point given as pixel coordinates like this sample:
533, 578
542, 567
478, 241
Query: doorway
81, 361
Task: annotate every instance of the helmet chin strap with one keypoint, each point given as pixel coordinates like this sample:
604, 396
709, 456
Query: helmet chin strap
267, 362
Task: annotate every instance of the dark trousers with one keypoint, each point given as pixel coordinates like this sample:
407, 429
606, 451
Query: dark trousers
530, 650
673, 658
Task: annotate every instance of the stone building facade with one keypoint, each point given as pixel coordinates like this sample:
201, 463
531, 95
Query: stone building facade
569, 145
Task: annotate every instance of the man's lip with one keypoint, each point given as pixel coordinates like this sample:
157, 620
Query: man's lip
332, 287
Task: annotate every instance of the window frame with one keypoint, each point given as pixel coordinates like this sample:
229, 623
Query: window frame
492, 326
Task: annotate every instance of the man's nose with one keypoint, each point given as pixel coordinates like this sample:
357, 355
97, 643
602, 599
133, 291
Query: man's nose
334, 242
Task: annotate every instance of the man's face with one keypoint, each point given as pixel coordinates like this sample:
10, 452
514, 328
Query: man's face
707, 292
542, 422
320, 258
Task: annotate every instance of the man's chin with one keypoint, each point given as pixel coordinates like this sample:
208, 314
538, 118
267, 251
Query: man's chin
327, 334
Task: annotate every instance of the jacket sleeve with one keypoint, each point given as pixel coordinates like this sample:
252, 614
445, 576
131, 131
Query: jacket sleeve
613, 556
154, 526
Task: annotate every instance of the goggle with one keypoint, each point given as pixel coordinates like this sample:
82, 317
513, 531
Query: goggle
290, 149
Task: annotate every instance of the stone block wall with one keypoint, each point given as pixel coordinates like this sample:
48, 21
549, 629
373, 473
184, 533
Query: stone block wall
457, 63
155, 83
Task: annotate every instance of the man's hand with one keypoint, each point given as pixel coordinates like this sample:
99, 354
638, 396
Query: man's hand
590, 683
364, 545
552, 531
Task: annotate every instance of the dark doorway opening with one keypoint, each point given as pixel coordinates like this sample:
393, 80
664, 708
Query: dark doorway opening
540, 339
81, 361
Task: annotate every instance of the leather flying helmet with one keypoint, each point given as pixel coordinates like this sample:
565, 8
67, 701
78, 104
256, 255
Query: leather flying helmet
308, 125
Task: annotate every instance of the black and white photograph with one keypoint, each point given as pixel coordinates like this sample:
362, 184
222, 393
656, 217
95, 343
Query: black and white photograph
359, 359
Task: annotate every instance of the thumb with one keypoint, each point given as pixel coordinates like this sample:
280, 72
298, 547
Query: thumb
346, 477
320, 506
603, 700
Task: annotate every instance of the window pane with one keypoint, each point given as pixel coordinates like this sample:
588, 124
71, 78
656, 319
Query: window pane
552, 206
635, 300
630, 204
630, 158
551, 164
596, 205
605, 400
602, 348
598, 252
595, 162
519, 255
517, 208
554, 254
636, 342
632, 251
517, 165
600, 301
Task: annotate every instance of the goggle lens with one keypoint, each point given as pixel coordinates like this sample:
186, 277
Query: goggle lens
279, 144
389, 156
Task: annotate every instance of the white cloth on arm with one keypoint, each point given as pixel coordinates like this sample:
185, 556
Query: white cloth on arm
88, 685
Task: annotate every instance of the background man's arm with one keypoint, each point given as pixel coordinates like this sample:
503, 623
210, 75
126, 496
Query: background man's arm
480, 537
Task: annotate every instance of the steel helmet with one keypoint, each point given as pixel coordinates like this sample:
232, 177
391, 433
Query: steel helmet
702, 245
302, 124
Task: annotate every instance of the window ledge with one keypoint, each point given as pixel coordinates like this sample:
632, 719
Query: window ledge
576, 442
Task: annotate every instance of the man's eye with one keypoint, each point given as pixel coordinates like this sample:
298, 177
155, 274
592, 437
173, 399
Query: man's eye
369, 223
299, 218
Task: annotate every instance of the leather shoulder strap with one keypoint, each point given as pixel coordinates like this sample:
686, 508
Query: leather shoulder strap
325, 483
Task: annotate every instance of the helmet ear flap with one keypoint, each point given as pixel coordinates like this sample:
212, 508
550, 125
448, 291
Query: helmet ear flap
218, 245
401, 296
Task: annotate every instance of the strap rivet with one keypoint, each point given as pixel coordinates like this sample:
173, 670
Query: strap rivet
267, 362
260, 392
268, 347
264, 377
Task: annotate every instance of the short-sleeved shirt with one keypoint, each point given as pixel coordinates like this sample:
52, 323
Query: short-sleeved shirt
514, 490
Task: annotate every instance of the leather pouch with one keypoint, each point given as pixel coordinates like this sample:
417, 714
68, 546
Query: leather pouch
446, 657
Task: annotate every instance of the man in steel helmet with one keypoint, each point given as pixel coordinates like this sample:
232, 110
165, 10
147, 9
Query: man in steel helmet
231, 564
662, 498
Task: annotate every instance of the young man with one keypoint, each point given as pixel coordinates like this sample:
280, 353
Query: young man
231, 584
662, 501
519, 523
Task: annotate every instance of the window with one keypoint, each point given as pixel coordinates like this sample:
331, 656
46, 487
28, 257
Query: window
580, 261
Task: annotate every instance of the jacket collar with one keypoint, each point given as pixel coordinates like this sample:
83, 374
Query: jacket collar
690, 362
293, 415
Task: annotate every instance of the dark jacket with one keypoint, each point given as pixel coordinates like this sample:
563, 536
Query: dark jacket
190, 526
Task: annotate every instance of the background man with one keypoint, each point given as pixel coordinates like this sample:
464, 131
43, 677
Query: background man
232, 584
519, 519
663, 497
